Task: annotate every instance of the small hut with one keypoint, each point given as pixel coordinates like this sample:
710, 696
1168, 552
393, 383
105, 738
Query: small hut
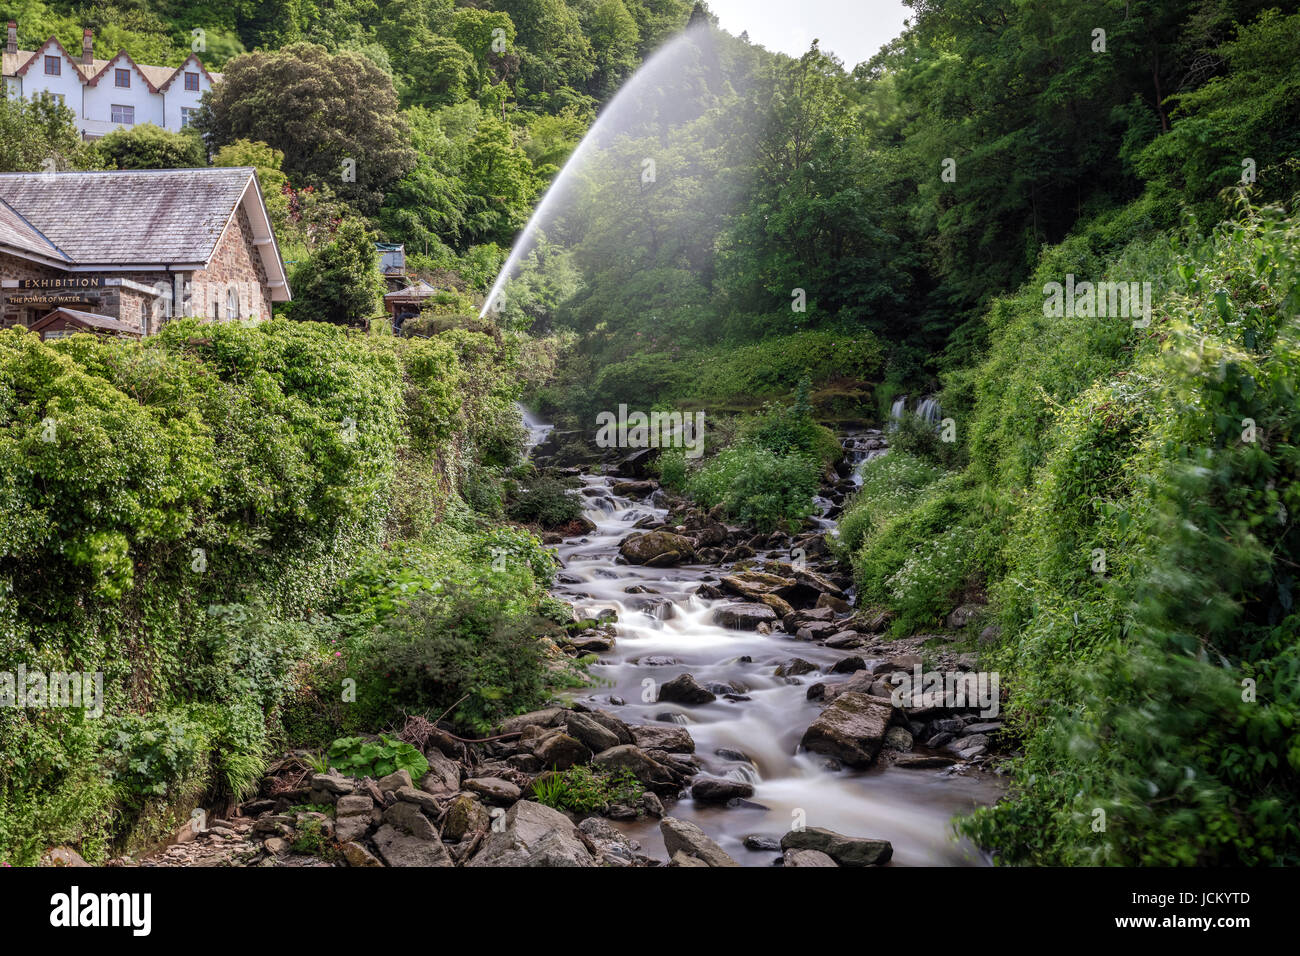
61, 323
406, 303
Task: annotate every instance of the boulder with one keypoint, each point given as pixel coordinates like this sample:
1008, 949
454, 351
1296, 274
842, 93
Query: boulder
465, 815
719, 789
780, 607
400, 778
634, 489
653, 775
443, 776
612, 847
357, 855
688, 839
591, 732
613, 724
672, 738
408, 818
844, 850
743, 617
794, 667
402, 849
533, 835
807, 858
852, 729
685, 689
558, 751
657, 549
549, 717
493, 790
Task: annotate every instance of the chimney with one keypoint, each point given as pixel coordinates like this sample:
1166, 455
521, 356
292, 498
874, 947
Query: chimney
87, 47
11, 44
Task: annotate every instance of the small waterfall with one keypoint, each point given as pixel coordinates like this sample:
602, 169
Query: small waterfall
538, 430
929, 410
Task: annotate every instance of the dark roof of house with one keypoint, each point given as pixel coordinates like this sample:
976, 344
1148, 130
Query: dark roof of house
18, 232
418, 290
125, 217
87, 319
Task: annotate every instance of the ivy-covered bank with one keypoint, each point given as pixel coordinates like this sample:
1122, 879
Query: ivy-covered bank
225, 522
1127, 498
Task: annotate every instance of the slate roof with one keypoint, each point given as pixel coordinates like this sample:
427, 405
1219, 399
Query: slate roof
87, 319
126, 217
17, 232
417, 290
158, 76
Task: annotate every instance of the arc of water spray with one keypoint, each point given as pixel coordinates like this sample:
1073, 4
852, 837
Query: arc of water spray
522, 244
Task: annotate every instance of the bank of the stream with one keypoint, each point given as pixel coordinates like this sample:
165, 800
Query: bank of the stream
740, 713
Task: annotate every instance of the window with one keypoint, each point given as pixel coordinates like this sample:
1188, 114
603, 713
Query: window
187, 116
192, 82
232, 304
123, 115
122, 78
57, 97
53, 66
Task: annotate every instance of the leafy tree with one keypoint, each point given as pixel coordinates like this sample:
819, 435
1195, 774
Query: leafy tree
339, 282
150, 147
333, 116
38, 134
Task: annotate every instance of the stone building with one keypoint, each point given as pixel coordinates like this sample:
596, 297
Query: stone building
137, 246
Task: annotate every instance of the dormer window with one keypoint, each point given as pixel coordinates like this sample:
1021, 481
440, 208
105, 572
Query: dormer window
122, 78
53, 66
192, 82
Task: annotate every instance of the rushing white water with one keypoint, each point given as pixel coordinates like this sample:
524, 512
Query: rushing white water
670, 632
537, 429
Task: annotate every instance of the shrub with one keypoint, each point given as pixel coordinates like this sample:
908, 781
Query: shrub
758, 487
581, 789
452, 652
546, 501
360, 757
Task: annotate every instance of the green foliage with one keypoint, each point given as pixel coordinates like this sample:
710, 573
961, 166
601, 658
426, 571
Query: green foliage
449, 651
581, 789
150, 147
36, 131
758, 487
549, 502
209, 487
339, 282
333, 117
360, 757
1172, 461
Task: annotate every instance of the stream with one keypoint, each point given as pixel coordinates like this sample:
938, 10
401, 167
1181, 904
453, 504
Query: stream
669, 632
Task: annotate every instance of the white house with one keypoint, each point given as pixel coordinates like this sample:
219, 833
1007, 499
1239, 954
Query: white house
106, 94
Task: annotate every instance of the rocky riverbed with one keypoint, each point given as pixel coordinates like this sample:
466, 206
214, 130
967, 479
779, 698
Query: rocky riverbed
737, 681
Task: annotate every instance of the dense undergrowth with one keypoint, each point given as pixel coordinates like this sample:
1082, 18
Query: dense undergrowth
1130, 506
257, 535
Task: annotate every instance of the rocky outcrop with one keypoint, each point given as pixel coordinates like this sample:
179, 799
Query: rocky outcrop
658, 549
844, 850
686, 838
534, 835
852, 729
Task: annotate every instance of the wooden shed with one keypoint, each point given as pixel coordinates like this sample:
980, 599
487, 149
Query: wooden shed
64, 322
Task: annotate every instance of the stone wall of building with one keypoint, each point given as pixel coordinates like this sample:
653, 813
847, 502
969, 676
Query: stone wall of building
236, 265
12, 267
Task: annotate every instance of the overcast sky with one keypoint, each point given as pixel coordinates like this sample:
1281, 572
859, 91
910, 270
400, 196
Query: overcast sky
854, 30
